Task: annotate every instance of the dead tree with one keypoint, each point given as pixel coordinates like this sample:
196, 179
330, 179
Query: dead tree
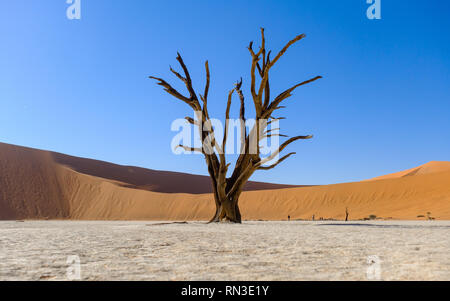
227, 190
346, 214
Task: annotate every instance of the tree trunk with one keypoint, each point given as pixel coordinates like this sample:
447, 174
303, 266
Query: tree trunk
227, 211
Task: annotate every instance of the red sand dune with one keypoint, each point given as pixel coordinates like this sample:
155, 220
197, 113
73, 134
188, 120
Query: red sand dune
37, 184
148, 179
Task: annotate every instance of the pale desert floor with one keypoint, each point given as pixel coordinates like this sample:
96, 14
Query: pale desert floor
328, 250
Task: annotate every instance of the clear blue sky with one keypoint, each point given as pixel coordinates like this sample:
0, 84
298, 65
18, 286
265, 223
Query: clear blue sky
80, 87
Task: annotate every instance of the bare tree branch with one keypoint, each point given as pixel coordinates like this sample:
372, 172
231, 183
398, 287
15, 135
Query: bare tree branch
242, 116
204, 97
255, 60
275, 119
188, 81
205, 94
168, 88
227, 121
192, 121
273, 135
265, 77
278, 162
178, 75
274, 105
282, 146
285, 48
242, 176
271, 130
190, 149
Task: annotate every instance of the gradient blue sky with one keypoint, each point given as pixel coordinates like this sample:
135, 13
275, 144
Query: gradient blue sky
80, 87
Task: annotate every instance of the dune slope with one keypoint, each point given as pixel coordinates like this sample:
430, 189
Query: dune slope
38, 184
148, 179
430, 167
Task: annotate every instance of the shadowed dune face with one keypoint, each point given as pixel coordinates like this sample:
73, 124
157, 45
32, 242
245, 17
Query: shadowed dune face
30, 185
38, 184
148, 179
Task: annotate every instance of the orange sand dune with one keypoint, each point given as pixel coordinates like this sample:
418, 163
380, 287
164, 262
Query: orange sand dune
38, 184
148, 179
430, 167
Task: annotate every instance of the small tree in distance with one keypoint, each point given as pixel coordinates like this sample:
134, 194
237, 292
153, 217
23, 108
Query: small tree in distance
227, 190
